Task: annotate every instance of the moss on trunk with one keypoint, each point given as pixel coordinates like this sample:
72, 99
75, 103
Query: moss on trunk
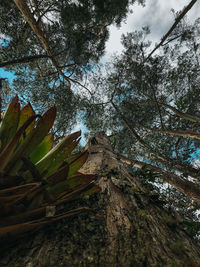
128, 226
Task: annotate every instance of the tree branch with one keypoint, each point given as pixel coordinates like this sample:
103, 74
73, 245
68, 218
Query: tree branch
185, 116
132, 131
177, 20
184, 186
23, 7
22, 60
176, 133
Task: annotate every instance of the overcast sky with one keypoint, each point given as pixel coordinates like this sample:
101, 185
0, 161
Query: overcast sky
156, 14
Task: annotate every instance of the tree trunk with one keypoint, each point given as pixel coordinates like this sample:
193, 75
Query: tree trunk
190, 189
128, 226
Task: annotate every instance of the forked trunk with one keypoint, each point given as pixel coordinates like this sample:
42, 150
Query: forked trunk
128, 225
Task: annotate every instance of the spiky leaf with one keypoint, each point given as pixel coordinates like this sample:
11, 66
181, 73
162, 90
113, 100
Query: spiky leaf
9, 123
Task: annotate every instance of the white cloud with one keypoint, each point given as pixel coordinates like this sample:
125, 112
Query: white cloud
156, 14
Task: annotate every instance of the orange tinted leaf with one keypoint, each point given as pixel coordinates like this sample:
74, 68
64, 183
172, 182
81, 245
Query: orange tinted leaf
58, 176
26, 113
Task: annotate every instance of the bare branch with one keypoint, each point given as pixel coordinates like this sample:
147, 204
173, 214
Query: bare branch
177, 20
74, 81
22, 60
184, 186
132, 131
185, 116
158, 108
171, 132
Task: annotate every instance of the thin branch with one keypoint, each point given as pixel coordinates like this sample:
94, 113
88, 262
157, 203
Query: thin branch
45, 11
176, 133
23, 7
74, 81
170, 40
22, 60
185, 116
101, 104
177, 20
186, 187
132, 131
158, 108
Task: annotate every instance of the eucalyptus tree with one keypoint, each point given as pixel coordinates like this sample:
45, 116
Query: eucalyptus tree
151, 110
52, 45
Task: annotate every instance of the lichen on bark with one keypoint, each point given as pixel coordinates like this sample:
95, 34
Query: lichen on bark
128, 226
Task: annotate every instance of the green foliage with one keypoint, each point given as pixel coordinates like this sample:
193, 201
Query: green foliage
193, 228
36, 177
171, 77
146, 174
76, 32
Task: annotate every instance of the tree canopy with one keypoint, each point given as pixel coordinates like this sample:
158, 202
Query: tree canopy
147, 103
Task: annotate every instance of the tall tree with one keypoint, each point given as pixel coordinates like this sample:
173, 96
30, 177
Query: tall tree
151, 110
52, 44
128, 226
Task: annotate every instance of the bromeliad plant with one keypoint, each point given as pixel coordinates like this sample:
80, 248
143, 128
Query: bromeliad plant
36, 177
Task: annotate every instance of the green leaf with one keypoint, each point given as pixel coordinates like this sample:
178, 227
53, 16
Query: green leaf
54, 159
73, 157
70, 184
9, 122
7, 153
26, 113
42, 149
33, 139
77, 163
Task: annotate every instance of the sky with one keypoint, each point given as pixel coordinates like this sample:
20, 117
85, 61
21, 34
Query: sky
156, 14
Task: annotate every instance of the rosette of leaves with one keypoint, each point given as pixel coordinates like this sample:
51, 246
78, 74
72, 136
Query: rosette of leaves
36, 176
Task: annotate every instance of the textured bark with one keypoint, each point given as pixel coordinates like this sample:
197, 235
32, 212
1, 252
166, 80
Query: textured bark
186, 187
129, 226
172, 132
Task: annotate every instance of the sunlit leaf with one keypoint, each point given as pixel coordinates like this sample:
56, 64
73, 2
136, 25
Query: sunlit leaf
7, 154
26, 113
42, 149
34, 138
52, 161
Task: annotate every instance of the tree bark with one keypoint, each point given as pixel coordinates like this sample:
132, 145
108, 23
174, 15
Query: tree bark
190, 189
182, 133
128, 226
179, 113
22, 60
